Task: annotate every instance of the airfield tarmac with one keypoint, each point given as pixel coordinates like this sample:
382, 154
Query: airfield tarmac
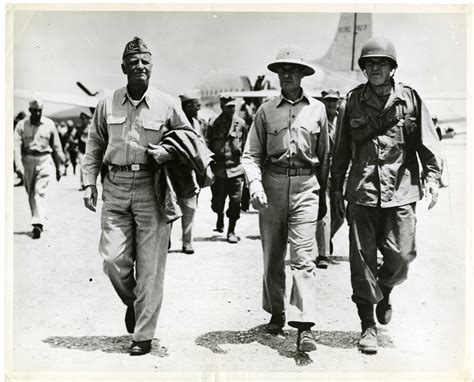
68, 319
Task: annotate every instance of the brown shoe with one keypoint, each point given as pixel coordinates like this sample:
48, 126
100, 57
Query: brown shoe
322, 262
305, 341
140, 347
187, 249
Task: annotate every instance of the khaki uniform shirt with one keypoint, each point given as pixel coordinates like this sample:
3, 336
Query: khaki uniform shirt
36, 139
120, 132
384, 168
226, 139
290, 135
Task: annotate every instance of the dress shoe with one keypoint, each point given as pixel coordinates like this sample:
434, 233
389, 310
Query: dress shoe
305, 341
36, 233
130, 319
322, 262
368, 340
231, 238
140, 347
187, 249
384, 311
276, 324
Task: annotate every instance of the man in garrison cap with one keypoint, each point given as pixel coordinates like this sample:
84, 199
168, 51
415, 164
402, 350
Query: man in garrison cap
327, 227
384, 129
125, 135
37, 149
190, 105
286, 160
226, 136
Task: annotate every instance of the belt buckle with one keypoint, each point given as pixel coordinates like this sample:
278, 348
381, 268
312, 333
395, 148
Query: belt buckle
135, 167
292, 171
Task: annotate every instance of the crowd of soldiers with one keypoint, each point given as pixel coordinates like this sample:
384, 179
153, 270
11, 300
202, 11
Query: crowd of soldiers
299, 160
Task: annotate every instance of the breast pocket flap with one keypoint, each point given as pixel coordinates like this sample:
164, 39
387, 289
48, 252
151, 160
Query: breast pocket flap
153, 125
115, 120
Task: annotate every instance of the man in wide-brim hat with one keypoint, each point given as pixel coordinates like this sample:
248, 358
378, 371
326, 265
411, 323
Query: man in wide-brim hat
286, 163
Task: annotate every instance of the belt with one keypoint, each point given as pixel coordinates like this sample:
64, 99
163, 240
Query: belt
289, 171
37, 153
130, 167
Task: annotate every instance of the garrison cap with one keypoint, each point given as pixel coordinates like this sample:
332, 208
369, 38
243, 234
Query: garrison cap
190, 95
137, 45
330, 94
36, 104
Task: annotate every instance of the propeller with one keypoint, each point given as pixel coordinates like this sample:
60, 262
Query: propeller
85, 90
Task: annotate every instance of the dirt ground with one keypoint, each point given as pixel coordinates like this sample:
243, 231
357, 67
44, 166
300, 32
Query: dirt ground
66, 319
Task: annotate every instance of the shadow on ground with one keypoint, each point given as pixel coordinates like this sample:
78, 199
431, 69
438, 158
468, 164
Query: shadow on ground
285, 344
221, 237
106, 344
26, 233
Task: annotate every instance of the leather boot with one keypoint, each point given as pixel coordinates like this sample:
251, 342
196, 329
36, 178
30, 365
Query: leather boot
384, 307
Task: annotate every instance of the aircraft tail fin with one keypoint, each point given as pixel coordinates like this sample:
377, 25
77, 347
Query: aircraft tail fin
353, 31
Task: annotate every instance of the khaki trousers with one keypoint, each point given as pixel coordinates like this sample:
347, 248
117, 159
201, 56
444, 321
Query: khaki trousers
188, 208
38, 170
290, 217
134, 245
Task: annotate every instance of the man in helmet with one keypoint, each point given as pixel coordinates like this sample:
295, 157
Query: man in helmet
384, 128
286, 160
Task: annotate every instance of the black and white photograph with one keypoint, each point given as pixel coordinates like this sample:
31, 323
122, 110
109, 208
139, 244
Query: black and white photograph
237, 192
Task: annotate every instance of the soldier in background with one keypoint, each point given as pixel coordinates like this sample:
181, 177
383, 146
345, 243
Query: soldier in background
385, 128
71, 146
190, 103
330, 224
226, 138
36, 149
81, 137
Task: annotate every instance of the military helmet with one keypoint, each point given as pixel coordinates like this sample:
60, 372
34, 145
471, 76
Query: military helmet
378, 47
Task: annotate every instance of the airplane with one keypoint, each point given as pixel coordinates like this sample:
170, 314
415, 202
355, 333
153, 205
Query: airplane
337, 69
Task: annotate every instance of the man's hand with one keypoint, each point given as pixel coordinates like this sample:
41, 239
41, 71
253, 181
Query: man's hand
338, 199
90, 197
259, 200
432, 193
58, 174
20, 173
160, 154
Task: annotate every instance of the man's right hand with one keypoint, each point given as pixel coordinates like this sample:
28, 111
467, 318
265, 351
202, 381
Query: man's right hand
259, 200
90, 197
338, 199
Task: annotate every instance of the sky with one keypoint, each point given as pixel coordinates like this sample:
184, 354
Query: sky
54, 49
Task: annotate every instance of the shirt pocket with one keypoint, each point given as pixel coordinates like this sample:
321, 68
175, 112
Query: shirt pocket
359, 128
278, 140
308, 134
43, 139
153, 131
117, 127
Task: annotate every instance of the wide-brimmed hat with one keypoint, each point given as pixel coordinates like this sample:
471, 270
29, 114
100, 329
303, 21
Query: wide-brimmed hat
292, 55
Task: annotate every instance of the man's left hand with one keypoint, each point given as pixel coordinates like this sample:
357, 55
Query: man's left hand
160, 154
432, 190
